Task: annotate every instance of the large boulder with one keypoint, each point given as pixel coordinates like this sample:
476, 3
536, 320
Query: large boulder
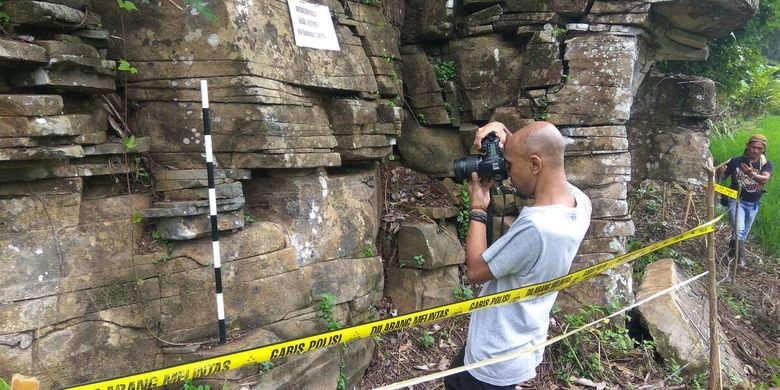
679, 321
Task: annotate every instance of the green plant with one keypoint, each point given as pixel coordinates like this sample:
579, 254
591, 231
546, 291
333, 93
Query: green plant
463, 293
540, 109
3, 384
559, 31
774, 377
264, 367
426, 339
125, 66
368, 250
674, 370
341, 382
740, 305
444, 69
189, 386
420, 260
326, 305
169, 246
758, 92
249, 219
421, 118
464, 211
4, 18
137, 217
199, 7
155, 235
126, 5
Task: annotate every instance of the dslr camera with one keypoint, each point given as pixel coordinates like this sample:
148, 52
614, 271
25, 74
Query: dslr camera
489, 164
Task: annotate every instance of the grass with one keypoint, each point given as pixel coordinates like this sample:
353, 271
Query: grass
729, 141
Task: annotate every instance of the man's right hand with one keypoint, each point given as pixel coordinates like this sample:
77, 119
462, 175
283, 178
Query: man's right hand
497, 127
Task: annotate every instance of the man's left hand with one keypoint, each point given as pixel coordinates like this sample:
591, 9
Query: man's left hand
479, 193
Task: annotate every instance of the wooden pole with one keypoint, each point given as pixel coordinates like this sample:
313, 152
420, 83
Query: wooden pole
715, 380
737, 206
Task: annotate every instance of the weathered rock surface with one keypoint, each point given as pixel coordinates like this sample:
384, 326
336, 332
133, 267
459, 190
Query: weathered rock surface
435, 246
417, 289
678, 321
668, 120
327, 216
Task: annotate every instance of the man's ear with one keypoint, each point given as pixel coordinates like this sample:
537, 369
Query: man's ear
536, 164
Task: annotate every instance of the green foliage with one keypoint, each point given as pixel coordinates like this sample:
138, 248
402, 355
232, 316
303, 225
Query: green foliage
759, 92
125, 66
368, 250
582, 354
421, 118
126, 5
326, 305
540, 110
137, 217
194, 6
390, 102
420, 260
249, 219
444, 69
129, 142
559, 31
189, 386
3, 384
641, 263
735, 59
140, 171
199, 7
674, 369
426, 339
4, 20
463, 293
169, 246
463, 214
739, 304
341, 382
774, 377
264, 367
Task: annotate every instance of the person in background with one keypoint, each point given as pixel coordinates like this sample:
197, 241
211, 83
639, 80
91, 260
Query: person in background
539, 246
749, 173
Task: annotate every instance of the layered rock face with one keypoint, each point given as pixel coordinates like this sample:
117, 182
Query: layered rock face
297, 136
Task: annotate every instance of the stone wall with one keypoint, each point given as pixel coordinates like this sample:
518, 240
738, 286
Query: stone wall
298, 134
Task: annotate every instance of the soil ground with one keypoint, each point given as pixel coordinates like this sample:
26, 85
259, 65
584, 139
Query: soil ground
749, 308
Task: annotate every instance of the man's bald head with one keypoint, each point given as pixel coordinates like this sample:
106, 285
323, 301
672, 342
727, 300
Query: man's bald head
542, 139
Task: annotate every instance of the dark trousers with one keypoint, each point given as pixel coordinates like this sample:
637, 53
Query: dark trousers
464, 380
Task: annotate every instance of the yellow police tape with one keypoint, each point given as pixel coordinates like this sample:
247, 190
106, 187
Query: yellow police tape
731, 193
235, 360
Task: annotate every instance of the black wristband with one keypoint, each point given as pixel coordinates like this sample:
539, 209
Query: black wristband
479, 217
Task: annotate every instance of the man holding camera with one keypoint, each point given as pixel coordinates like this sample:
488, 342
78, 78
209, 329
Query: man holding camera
539, 246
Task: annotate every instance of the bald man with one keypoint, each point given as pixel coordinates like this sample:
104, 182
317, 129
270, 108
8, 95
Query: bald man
539, 246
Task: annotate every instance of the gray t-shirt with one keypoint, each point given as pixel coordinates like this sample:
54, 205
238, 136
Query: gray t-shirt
539, 246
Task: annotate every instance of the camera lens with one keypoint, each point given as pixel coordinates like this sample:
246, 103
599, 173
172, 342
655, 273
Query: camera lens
464, 166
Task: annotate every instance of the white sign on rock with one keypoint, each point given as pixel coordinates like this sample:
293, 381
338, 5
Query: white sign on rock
312, 25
